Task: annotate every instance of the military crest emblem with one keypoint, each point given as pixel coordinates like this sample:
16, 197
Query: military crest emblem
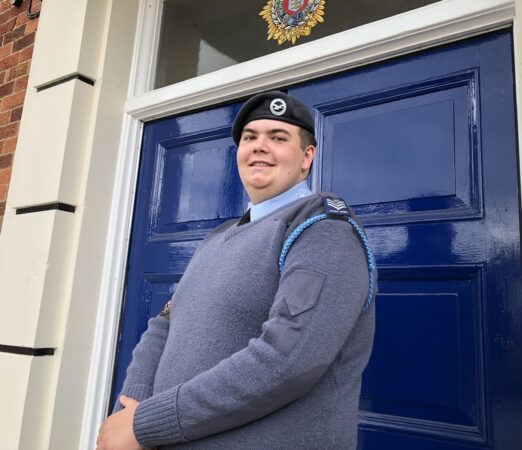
288, 20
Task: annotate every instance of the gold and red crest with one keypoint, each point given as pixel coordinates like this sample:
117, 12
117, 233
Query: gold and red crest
288, 20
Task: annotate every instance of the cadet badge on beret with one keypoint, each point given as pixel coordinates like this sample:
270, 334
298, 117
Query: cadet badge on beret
277, 106
291, 19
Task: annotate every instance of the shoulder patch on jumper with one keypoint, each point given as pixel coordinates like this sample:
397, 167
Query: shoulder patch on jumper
166, 309
335, 207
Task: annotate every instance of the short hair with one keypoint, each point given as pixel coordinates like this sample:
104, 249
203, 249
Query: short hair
307, 138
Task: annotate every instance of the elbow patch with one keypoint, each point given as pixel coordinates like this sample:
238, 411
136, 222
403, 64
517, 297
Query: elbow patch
300, 294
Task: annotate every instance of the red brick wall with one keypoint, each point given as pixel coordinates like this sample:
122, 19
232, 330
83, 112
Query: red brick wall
16, 48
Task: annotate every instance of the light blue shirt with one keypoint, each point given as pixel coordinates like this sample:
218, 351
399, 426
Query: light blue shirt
296, 192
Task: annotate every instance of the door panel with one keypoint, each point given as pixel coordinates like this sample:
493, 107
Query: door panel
423, 147
415, 138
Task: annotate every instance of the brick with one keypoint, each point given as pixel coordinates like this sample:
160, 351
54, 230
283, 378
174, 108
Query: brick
16, 115
31, 26
3, 192
26, 54
2, 212
9, 130
7, 26
4, 6
8, 14
6, 89
2, 76
16, 33
14, 100
5, 118
9, 145
6, 50
10, 61
18, 71
6, 161
21, 83
21, 43
11, 11
5, 176
21, 18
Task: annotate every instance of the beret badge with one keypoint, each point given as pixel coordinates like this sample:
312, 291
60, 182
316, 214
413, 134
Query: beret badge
277, 106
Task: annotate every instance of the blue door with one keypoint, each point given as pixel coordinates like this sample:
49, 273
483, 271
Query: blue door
424, 149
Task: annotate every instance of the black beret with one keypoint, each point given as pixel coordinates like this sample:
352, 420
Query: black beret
273, 105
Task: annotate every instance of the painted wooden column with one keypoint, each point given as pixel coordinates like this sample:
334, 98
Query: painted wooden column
52, 242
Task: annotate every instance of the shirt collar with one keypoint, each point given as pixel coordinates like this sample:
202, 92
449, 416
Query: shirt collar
296, 192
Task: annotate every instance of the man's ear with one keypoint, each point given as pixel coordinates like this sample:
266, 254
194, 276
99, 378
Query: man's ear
309, 153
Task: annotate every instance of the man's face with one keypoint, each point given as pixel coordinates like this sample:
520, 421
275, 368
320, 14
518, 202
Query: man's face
270, 158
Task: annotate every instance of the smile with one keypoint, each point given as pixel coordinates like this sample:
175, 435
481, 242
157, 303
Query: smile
260, 164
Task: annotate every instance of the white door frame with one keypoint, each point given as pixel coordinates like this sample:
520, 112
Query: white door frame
441, 22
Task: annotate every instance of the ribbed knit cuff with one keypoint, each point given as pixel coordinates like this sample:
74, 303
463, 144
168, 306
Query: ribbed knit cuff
156, 420
138, 392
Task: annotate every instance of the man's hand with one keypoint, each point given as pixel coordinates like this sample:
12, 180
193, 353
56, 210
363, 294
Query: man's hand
116, 432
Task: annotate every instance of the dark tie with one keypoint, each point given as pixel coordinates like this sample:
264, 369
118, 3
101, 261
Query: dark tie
245, 218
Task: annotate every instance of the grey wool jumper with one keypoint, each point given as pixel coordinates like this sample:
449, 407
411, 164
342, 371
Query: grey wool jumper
249, 358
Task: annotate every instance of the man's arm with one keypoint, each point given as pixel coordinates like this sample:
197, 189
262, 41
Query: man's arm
145, 359
321, 294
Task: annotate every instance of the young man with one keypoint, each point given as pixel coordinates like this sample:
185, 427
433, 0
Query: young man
255, 350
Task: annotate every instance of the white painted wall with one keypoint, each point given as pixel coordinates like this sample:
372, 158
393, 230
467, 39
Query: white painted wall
51, 262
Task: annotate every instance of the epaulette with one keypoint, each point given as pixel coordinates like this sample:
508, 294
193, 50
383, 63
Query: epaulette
332, 208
